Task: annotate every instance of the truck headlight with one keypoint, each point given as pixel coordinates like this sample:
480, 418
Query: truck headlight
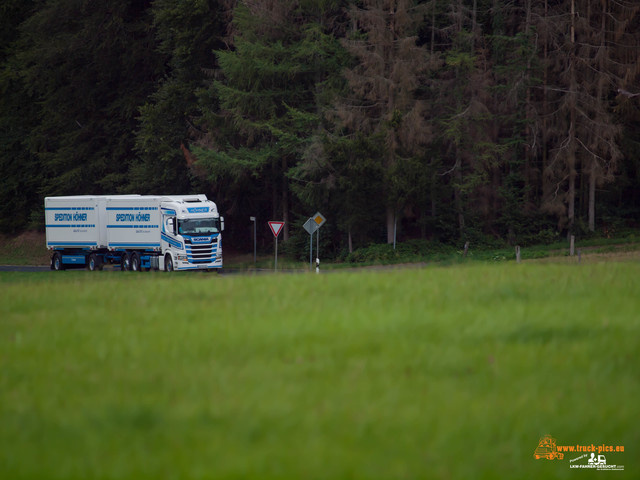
182, 257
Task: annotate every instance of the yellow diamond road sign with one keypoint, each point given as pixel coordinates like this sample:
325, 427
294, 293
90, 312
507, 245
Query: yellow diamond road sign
319, 219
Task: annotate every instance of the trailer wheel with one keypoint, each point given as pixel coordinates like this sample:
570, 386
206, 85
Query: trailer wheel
168, 263
56, 262
94, 263
135, 262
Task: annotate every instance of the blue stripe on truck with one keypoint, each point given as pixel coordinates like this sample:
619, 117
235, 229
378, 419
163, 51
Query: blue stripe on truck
132, 208
71, 226
130, 245
75, 244
70, 208
171, 241
133, 226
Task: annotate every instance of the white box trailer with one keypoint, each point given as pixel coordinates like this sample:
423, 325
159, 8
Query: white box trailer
133, 224
135, 231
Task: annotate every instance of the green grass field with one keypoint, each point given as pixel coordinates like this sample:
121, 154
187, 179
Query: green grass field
439, 373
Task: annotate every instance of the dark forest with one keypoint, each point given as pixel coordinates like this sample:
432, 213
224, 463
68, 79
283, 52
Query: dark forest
460, 120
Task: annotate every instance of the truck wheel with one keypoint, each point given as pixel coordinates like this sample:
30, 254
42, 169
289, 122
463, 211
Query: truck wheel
94, 263
135, 262
56, 262
168, 263
125, 262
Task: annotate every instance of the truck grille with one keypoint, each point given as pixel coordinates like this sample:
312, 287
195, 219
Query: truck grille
202, 252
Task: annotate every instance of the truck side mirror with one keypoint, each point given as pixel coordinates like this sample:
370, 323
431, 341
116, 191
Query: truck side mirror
171, 225
222, 224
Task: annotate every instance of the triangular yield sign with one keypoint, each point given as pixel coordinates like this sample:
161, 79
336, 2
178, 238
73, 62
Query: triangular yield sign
276, 227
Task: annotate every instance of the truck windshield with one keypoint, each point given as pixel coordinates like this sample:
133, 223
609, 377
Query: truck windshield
201, 226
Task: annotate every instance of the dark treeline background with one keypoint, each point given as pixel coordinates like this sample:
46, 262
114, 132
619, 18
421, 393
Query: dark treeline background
454, 120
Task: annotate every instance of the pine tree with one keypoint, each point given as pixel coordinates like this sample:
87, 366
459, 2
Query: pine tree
514, 121
20, 170
269, 94
87, 66
584, 135
463, 104
187, 32
383, 83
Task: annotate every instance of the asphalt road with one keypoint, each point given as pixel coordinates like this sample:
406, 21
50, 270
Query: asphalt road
44, 268
233, 271
24, 268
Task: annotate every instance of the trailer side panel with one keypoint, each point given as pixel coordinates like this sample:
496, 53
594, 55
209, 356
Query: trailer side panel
74, 222
133, 223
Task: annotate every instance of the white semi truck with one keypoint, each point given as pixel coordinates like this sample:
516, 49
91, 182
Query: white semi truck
138, 232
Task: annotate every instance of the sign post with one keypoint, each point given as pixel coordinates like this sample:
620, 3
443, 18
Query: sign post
253, 219
313, 225
320, 220
276, 228
310, 226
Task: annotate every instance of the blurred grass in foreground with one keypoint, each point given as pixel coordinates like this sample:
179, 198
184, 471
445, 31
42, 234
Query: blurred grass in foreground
432, 373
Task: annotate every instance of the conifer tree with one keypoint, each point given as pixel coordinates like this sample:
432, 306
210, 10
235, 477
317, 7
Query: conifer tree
87, 66
20, 170
268, 91
382, 100
463, 103
585, 135
187, 32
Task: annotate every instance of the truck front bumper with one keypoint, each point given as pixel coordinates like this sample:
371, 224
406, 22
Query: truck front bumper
186, 265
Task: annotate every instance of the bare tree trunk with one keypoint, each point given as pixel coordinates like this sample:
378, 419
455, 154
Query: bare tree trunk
473, 17
390, 160
433, 28
285, 201
592, 198
594, 171
571, 160
571, 210
573, 22
391, 217
433, 201
529, 133
458, 198
274, 191
546, 184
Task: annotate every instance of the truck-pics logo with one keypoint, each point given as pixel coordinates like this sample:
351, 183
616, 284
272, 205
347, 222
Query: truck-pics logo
547, 449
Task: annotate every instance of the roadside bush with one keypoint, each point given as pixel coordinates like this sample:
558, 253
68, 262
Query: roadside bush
411, 251
547, 236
